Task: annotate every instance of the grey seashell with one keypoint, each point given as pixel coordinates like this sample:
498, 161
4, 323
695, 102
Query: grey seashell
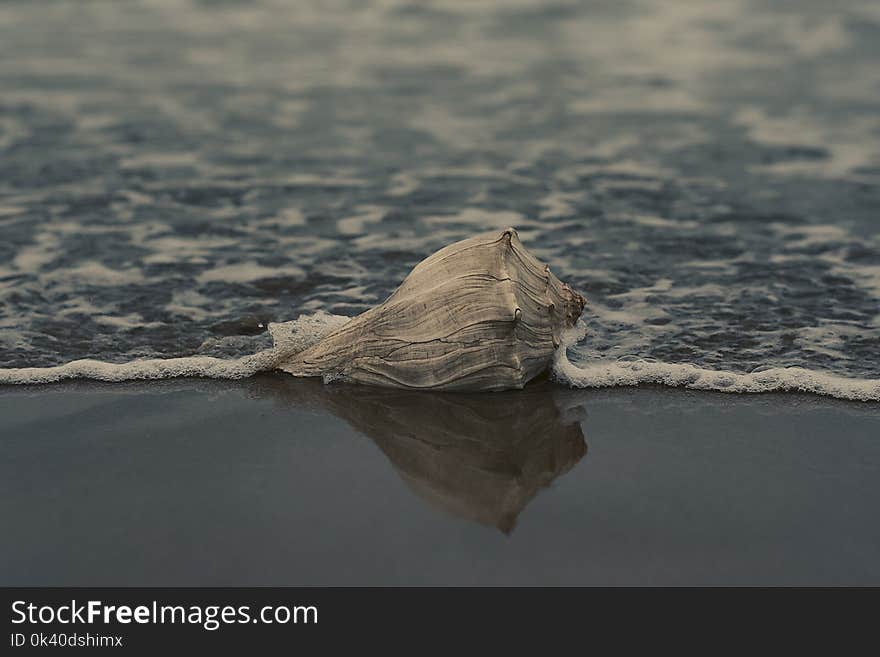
480, 314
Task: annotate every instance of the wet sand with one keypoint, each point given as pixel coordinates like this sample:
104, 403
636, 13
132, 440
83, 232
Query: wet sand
277, 481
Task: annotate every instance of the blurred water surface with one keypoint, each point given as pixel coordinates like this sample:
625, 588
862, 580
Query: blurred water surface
176, 173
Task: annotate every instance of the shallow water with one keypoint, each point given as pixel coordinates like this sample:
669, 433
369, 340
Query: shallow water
174, 175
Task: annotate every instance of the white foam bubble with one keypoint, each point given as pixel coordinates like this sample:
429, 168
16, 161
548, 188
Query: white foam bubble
602, 373
289, 338
248, 272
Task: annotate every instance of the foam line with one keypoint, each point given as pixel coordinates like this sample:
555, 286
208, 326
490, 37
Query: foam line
612, 373
289, 338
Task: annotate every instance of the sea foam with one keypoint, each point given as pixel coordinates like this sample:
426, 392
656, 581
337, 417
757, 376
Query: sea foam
603, 373
288, 338
294, 336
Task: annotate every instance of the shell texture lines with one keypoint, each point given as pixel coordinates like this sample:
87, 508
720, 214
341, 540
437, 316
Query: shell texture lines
480, 314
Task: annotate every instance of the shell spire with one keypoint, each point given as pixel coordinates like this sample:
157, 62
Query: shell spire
480, 314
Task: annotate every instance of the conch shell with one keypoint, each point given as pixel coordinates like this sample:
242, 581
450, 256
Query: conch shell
480, 314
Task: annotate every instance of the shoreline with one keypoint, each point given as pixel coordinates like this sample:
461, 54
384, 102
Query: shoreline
544, 380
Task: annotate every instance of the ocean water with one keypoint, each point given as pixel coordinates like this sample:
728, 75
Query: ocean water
176, 176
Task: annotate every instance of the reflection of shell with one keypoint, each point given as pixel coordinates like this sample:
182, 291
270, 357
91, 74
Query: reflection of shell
479, 457
480, 314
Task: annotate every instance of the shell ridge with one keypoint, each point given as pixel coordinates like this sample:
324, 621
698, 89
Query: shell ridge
481, 314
